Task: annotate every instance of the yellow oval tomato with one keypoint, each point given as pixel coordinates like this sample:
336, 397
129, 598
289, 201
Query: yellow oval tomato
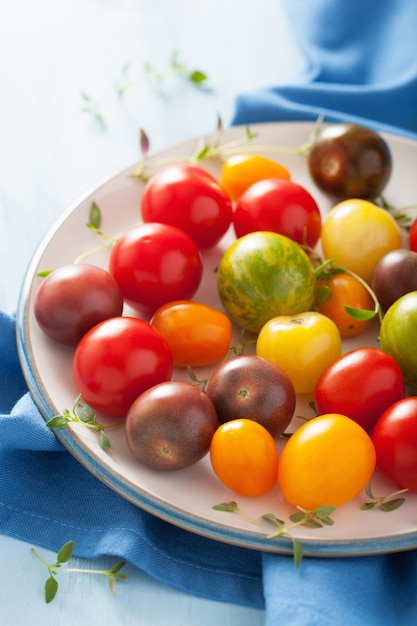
357, 233
242, 170
197, 334
302, 345
345, 290
244, 457
327, 461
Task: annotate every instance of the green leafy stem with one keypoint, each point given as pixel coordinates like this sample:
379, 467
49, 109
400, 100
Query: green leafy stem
315, 519
63, 556
82, 413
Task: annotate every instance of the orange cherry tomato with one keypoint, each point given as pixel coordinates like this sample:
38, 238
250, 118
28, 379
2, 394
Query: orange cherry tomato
345, 290
243, 170
197, 334
327, 461
244, 457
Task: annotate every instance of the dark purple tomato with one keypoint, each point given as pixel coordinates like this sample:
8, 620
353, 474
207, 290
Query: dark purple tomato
170, 426
394, 275
251, 387
350, 161
73, 298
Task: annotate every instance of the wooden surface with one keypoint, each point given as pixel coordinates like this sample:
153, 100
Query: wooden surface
51, 152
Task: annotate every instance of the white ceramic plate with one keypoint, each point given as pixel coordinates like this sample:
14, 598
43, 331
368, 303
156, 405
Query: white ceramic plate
186, 497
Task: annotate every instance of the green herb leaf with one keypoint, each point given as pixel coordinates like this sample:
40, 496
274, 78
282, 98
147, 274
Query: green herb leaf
44, 274
361, 315
226, 506
65, 553
197, 77
104, 442
391, 505
51, 588
298, 552
58, 421
94, 217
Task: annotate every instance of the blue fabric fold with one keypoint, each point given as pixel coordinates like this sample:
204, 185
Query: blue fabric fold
361, 66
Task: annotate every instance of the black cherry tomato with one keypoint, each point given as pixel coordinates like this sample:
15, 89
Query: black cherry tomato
350, 161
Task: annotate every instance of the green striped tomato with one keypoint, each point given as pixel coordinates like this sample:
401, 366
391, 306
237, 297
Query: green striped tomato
262, 275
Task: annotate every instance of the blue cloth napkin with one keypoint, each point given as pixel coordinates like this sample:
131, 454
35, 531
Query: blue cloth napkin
361, 65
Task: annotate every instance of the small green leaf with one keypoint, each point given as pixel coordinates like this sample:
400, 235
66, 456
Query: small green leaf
104, 442
85, 413
112, 584
65, 552
271, 517
298, 517
202, 153
44, 274
95, 216
116, 568
362, 315
58, 421
368, 505
324, 510
298, 552
51, 588
226, 506
197, 77
391, 505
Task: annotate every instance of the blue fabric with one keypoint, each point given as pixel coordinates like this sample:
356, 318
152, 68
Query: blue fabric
362, 66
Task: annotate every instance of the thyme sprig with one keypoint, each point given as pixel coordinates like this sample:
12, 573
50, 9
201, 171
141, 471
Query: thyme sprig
63, 556
82, 413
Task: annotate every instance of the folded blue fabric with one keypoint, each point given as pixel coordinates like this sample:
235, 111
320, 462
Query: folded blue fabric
362, 67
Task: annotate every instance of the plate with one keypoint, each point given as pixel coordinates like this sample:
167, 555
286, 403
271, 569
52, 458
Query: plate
186, 497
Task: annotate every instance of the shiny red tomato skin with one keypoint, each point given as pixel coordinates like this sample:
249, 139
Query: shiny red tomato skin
361, 384
154, 264
117, 360
190, 198
395, 441
412, 236
280, 206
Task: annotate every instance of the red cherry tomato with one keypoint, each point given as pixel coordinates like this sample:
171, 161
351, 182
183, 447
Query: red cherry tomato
412, 236
361, 384
190, 198
155, 264
279, 206
395, 441
117, 360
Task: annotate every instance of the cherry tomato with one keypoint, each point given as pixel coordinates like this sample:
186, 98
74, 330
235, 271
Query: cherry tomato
155, 264
244, 457
279, 206
360, 384
357, 233
412, 236
394, 275
302, 345
197, 334
398, 336
327, 461
345, 290
395, 441
350, 161
73, 298
188, 197
117, 360
170, 426
240, 171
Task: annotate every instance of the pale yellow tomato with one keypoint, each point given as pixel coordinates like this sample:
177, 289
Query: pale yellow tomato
357, 233
302, 345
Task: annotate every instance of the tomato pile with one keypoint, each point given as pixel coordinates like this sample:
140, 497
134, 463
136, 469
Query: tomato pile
291, 285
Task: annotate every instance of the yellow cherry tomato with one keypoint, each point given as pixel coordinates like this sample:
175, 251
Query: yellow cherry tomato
357, 233
244, 457
345, 290
327, 461
243, 170
302, 345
